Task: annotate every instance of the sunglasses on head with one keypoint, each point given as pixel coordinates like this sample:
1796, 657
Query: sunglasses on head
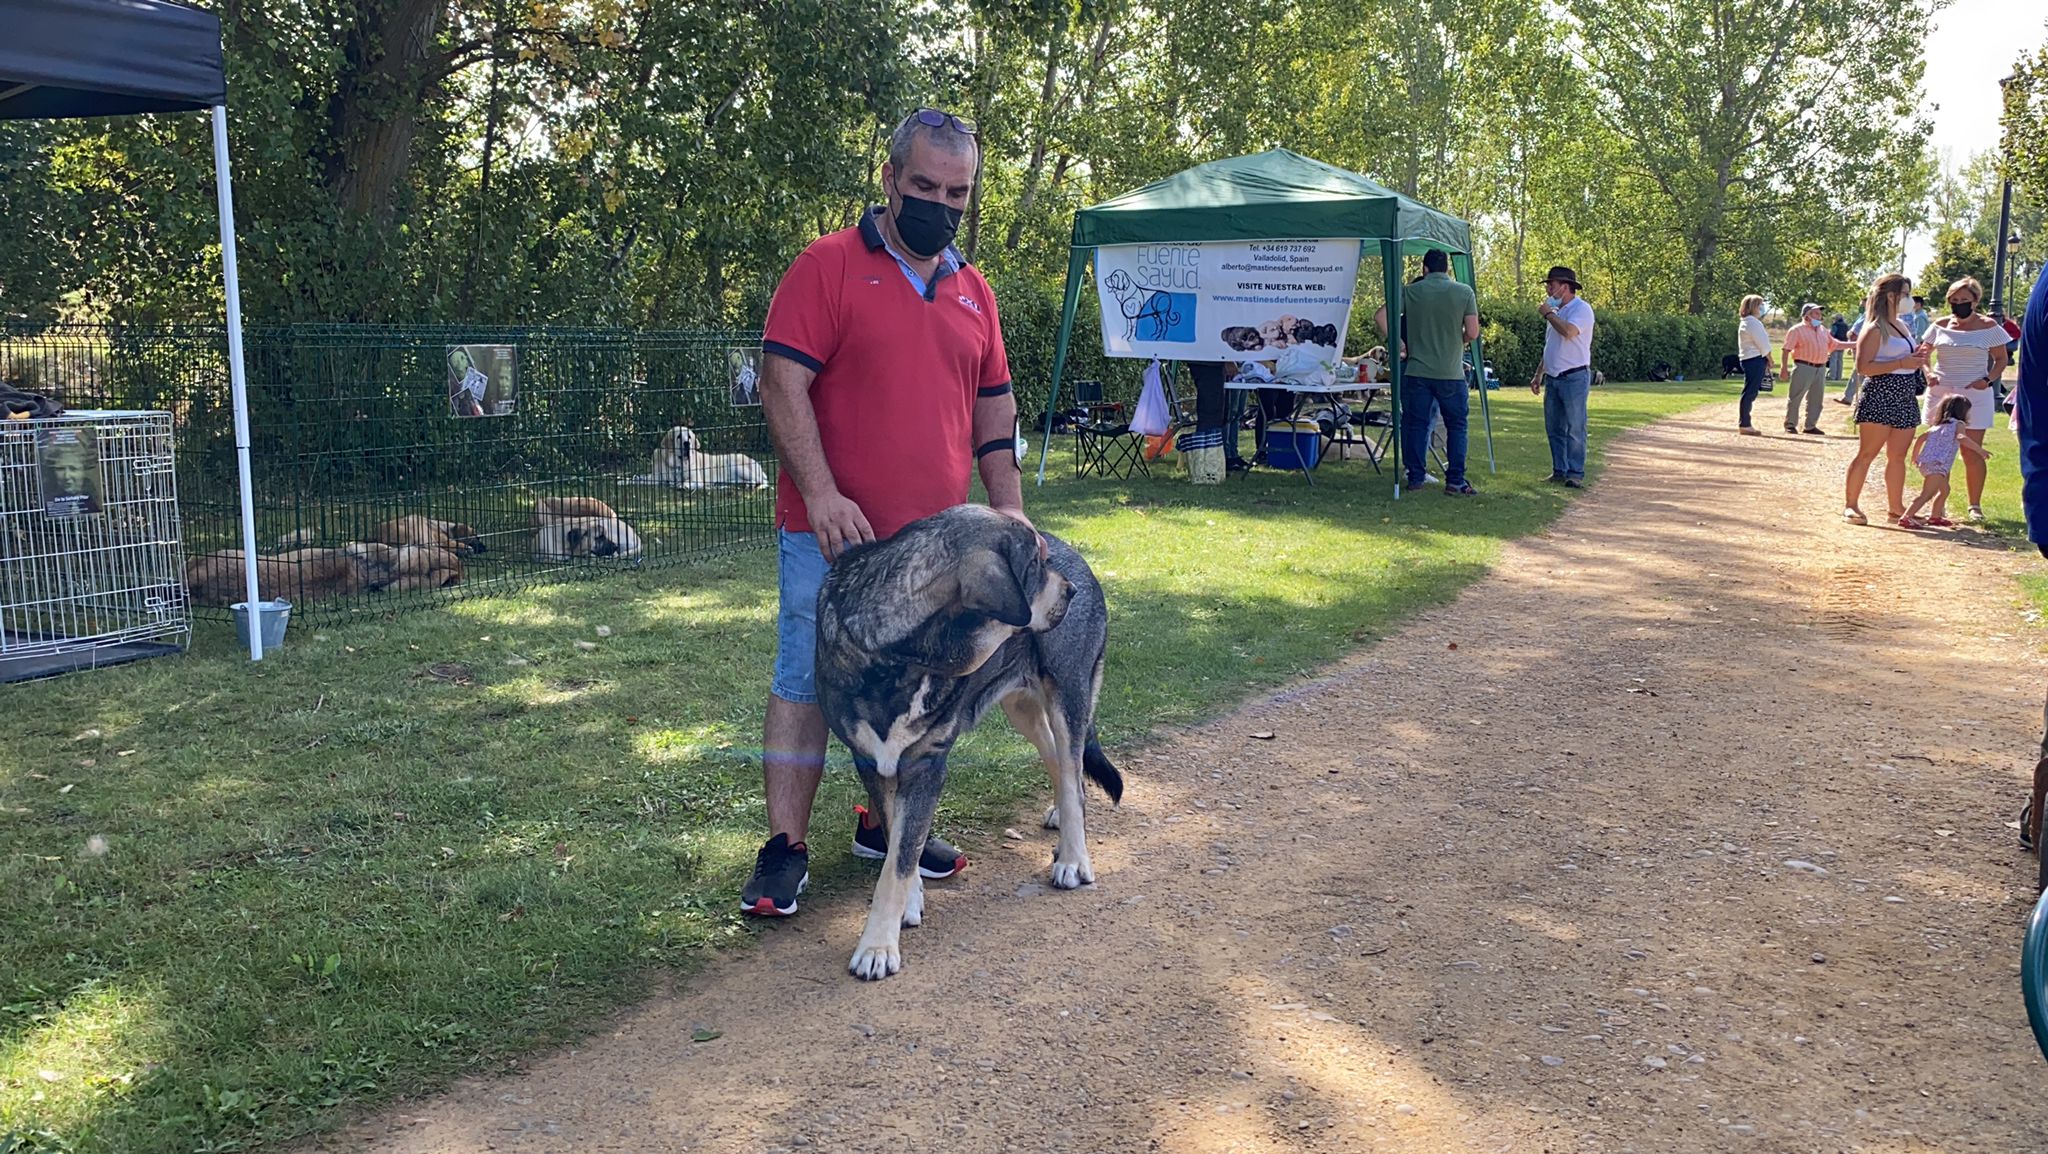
933, 118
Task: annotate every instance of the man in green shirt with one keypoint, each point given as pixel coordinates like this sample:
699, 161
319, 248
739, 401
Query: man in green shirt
1442, 318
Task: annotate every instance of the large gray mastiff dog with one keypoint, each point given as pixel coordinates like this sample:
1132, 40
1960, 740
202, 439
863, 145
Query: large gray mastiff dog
917, 637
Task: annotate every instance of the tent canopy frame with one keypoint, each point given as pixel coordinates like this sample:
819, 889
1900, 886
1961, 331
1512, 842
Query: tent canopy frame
1273, 195
65, 59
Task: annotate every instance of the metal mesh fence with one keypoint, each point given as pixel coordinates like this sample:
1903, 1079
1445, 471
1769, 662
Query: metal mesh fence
358, 440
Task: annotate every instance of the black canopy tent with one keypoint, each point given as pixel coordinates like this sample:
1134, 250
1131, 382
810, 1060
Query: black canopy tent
76, 58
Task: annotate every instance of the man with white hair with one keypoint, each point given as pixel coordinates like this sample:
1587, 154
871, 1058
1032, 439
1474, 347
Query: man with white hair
1804, 359
885, 385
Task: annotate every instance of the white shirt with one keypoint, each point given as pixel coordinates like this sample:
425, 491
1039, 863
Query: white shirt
1752, 339
1561, 352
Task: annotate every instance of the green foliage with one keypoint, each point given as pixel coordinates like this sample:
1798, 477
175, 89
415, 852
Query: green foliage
1626, 346
1956, 256
657, 163
2025, 120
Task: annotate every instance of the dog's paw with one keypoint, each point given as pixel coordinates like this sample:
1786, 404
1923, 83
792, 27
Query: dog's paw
873, 963
913, 906
1072, 875
1052, 817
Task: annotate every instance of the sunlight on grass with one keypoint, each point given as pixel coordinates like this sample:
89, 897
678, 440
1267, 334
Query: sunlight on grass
694, 743
62, 1063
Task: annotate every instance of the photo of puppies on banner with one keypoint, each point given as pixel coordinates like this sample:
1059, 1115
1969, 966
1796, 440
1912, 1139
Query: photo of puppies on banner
1267, 300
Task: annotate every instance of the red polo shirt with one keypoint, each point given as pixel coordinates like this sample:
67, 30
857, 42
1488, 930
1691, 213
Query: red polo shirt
897, 374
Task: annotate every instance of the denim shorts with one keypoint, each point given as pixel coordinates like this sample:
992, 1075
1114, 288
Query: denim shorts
801, 573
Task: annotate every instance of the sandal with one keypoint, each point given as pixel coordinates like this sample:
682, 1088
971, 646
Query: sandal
2027, 826
1941, 522
1855, 517
1909, 521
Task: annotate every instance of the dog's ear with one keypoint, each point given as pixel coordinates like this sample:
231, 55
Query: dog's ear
993, 583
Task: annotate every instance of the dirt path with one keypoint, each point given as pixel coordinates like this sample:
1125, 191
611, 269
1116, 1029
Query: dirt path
1684, 831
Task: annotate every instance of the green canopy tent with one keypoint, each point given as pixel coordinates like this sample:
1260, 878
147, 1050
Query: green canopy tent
1275, 195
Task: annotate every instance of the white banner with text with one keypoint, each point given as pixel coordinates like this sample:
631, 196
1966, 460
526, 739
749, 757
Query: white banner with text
1229, 301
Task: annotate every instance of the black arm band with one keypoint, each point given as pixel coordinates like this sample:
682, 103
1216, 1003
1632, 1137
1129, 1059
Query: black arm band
1009, 443
993, 390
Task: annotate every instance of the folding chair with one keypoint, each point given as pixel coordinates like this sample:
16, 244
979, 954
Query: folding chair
1103, 442
1351, 420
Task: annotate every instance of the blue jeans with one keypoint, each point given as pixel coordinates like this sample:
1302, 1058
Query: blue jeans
1753, 370
1564, 421
801, 572
1422, 398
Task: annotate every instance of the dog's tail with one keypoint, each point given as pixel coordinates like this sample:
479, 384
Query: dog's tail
1096, 765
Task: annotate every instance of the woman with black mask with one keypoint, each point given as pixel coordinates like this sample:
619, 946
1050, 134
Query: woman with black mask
1969, 359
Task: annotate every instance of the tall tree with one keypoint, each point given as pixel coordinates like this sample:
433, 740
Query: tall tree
1761, 124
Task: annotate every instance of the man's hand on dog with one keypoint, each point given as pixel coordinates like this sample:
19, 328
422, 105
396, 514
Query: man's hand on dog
839, 525
1015, 514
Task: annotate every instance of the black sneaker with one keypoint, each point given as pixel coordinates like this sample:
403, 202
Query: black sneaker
781, 871
1573, 483
1554, 478
939, 860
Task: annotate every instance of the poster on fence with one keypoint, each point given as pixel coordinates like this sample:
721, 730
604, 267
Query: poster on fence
483, 380
68, 467
743, 368
1231, 301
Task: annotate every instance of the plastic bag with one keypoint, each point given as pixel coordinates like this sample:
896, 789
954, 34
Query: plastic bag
1150, 418
1303, 366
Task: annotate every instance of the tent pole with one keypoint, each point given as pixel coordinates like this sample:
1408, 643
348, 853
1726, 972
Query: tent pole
1390, 271
1077, 263
1471, 280
237, 378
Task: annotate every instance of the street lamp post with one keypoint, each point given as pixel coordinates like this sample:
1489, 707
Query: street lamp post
2008, 246
2005, 240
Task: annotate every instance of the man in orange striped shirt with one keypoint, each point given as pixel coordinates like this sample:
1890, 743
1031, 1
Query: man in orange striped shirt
1804, 359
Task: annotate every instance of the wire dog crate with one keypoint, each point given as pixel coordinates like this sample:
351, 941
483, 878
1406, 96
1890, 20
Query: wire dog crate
91, 571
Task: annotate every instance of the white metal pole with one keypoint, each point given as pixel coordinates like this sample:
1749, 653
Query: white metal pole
237, 379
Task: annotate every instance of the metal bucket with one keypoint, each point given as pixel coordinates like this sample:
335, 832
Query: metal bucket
273, 615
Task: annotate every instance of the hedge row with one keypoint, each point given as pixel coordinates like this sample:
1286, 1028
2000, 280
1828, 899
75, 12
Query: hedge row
1626, 346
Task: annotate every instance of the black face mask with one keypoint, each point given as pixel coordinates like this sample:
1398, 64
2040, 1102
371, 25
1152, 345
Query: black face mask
1962, 308
926, 226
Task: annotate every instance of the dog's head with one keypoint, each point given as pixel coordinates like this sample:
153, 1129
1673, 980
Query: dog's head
1243, 338
948, 592
599, 537
683, 442
376, 561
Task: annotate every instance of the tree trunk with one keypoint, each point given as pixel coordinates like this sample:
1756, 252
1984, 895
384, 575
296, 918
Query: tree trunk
374, 113
1041, 136
466, 301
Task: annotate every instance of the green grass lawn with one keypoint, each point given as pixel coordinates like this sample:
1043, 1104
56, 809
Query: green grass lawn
2002, 512
237, 899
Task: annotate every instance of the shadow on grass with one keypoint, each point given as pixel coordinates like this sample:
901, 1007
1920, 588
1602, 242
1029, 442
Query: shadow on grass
402, 847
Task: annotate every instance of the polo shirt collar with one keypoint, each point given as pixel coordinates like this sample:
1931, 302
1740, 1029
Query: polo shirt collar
950, 261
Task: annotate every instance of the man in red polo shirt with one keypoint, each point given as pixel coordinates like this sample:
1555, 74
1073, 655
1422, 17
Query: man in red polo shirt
884, 384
